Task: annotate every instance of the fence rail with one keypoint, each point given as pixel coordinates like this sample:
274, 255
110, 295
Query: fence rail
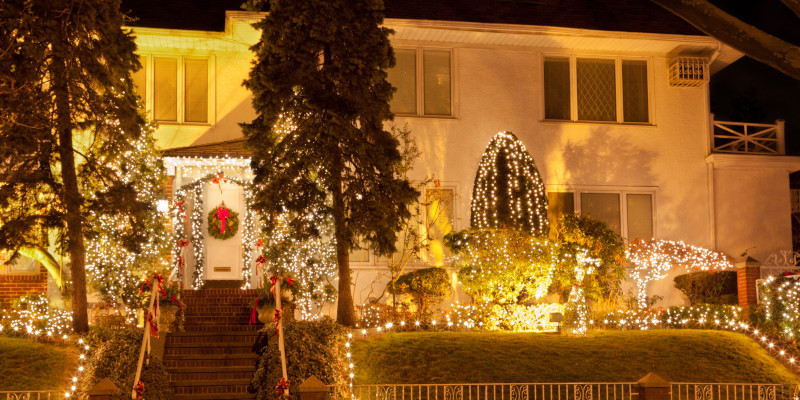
32, 395
499, 391
731, 391
748, 138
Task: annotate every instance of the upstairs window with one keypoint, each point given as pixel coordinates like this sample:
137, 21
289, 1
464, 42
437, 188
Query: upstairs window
596, 89
423, 82
176, 89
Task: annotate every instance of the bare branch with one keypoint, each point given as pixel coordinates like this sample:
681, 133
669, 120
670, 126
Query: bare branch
746, 38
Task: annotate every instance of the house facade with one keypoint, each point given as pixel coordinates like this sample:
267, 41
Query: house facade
613, 107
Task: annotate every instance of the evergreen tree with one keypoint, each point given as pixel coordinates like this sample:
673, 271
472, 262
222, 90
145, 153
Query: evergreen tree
319, 88
68, 107
508, 191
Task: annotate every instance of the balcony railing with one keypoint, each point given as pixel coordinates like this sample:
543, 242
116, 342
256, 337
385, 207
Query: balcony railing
747, 138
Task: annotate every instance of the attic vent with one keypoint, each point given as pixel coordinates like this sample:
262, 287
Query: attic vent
688, 71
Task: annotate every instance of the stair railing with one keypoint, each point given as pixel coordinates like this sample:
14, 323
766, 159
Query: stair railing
152, 311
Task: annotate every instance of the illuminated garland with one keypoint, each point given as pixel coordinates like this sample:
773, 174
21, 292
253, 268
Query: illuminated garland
576, 312
508, 190
781, 304
652, 259
193, 192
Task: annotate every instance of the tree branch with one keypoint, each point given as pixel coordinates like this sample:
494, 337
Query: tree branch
793, 5
748, 39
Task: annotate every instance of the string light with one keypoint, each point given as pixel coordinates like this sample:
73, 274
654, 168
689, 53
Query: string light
653, 258
507, 165
576, 313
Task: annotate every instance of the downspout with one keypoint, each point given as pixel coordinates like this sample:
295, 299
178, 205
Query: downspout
712, 201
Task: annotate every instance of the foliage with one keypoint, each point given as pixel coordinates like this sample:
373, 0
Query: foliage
575, 233
508, 317
715, 287
116, 358
69, 119
32, 315
28, 365
508, 191
502, 266
319, 145
312, 348
425, 286
215, 224
375, 315
778, 312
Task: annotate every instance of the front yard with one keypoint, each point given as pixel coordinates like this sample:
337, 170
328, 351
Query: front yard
27, 365
601, 356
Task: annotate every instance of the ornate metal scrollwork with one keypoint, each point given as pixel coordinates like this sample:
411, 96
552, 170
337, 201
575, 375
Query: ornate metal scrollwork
385, 393
520, 392
702, 392
766, 392
19, 396
455, 392
583, 392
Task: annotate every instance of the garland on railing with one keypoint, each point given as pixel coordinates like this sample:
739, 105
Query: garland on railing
194, 192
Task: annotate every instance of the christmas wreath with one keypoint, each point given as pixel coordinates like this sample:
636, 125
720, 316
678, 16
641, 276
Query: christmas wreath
223, 223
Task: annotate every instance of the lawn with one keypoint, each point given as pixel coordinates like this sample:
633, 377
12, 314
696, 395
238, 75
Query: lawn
27, 365
601, 356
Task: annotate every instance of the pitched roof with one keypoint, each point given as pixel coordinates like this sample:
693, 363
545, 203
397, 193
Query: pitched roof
609, 15
234, 148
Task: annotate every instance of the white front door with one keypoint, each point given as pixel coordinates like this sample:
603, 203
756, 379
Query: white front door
224, 257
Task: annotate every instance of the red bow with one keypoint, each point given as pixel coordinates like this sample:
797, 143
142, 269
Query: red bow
260, 242
218, 180
139, 389
276, 318
177, 302
153, 326
282, 386
183, 242
254, 313
289, 281
179, 205
145, 283
222, 214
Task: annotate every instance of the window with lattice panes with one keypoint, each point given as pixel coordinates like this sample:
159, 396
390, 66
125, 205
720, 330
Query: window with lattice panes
439, 220
596, 89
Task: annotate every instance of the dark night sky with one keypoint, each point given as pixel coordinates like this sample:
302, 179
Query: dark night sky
749, 91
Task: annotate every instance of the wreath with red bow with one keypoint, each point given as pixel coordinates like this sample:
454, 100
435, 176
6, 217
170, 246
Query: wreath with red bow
223, 223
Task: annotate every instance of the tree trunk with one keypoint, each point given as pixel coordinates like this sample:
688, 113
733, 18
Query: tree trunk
345, 311
72, 196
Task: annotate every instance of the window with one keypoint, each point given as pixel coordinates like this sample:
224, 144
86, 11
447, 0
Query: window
423, 79
629, 214
596, 89
176, 89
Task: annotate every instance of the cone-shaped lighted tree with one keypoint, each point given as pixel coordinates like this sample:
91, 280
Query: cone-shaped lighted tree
508, 190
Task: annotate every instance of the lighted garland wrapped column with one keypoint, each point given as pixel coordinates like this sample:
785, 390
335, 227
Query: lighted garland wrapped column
508, 190
576, 312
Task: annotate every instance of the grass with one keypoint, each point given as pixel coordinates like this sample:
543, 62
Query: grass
601, 356
27, 365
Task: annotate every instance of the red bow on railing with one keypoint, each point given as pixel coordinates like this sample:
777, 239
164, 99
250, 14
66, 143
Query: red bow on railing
139, 389
254, 313
282, 386
179, 205
153, 326
276, 318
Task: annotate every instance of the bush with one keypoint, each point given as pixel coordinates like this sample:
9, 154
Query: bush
509, 317
777, 313
116, 356
708, 287
425, 286
312, 348
503, 266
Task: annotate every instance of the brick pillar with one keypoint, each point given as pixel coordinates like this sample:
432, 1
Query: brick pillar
104, 390
747, 272
312, 389
653, 387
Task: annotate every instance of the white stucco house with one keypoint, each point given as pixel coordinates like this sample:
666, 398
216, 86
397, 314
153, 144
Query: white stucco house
610, 99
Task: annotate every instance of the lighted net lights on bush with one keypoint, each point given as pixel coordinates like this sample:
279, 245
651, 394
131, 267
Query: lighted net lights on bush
524, 197
33, 315
780, 302
652, 259
576, 317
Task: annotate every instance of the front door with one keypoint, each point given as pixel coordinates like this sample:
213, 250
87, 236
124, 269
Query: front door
224, 257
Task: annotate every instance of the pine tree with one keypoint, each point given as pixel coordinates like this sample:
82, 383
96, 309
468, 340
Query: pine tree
508, 191
67, 106
319, 88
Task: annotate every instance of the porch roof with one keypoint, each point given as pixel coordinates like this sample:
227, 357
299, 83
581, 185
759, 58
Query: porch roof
228, 148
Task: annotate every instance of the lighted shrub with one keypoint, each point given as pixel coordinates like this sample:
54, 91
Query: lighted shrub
425, 286
778, 312
715, 287
312, 348
503, 266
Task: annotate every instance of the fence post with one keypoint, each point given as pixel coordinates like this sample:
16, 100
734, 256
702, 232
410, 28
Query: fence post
781, 144
653, 387
104, 390
312, 389
747, 272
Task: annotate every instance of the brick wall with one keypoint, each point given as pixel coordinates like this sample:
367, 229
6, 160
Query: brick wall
746, 275
13, 287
